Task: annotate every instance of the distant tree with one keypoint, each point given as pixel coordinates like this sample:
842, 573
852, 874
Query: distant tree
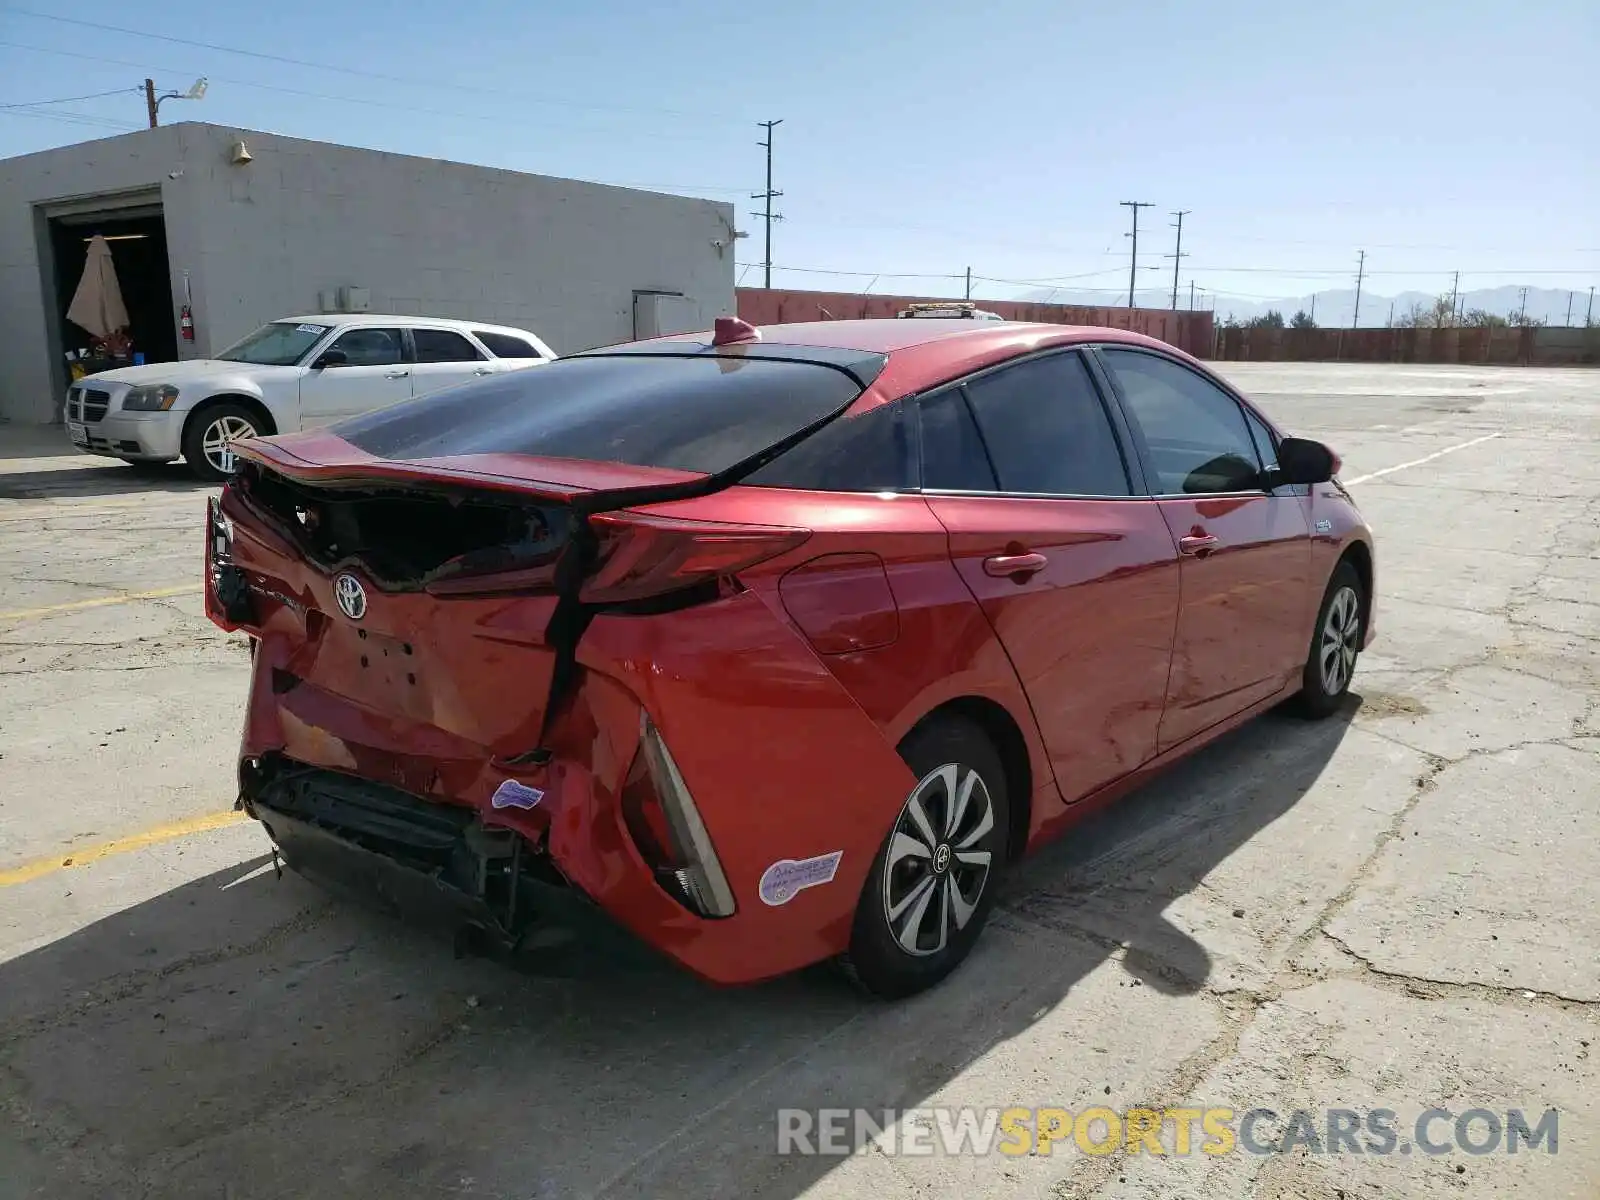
1273, 319
1479, 318
1302, 320
1440, 313
1524, 321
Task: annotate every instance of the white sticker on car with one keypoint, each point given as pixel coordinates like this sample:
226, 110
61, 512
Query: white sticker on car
1324, 526
788, 877
512, 794
311, 329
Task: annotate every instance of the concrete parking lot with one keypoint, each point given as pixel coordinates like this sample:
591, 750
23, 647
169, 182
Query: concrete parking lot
1398, 908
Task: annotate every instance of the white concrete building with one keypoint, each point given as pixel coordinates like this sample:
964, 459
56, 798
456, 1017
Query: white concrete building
244, 227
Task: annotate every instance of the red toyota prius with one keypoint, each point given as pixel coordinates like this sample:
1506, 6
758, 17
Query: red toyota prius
777, 645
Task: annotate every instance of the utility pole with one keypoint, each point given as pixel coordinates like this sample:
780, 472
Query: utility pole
1191, 295
1588, 319
1177, 256
1361, 268
1133, 265
768, 196
1455, 287
1389, 324
150, 102
1569, 309
1522, 308
1313, 308
969, 283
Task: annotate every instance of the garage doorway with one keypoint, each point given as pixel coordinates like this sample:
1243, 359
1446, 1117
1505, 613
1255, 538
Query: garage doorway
137, 236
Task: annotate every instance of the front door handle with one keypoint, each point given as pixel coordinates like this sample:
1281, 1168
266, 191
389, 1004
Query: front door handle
396, 374
483, 371
1198, 544
1014, 565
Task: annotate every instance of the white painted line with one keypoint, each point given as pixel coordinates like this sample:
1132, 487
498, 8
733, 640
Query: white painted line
1417, 462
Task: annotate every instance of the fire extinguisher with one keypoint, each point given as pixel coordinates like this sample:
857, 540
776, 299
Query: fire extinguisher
186, 324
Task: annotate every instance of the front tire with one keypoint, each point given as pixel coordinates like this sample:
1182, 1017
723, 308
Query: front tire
1335, 645
210, 435
933, 884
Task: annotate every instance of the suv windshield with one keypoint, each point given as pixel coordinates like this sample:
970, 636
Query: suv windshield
280, 344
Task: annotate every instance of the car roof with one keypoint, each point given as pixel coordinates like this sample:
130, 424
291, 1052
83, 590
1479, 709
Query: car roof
413, 321
923, 351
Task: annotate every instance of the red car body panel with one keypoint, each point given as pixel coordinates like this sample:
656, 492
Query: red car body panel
783, 699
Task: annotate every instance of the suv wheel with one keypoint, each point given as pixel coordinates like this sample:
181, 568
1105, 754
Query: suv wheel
930, 891
208, 441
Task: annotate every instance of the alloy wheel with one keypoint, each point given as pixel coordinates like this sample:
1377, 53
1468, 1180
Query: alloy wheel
217, 442
935, 869
1341, 635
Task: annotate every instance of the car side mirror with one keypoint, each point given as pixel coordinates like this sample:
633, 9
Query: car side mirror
1301, 460
331, 358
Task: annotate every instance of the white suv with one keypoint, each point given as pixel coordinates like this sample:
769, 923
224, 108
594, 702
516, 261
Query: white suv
292, 374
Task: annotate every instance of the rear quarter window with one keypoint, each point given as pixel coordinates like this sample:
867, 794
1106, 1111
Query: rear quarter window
866, 453
504, 345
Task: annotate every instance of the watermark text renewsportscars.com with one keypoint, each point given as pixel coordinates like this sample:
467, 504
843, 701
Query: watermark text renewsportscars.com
1179, 1132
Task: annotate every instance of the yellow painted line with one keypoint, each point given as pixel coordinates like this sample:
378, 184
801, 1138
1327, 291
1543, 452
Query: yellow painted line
204, 823
28, 614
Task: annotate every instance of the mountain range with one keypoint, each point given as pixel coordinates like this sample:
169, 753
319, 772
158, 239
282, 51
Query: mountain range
1336, 307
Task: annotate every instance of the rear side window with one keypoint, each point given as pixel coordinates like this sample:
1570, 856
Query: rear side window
953, 457
1047, 431
443, 345
503, 345
701, 413
868, 453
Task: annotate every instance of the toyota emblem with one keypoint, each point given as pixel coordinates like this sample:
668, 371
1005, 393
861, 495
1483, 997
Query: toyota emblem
352, 597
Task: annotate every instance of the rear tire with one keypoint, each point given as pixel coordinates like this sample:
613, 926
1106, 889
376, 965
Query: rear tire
927, 898
1335, 645
209, 433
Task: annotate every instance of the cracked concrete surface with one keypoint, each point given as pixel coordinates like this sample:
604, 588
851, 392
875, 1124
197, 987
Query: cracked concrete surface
1393, 909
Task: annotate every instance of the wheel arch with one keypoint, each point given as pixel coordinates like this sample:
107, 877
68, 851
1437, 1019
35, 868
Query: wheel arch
252, 403
1359, 555
1003, 732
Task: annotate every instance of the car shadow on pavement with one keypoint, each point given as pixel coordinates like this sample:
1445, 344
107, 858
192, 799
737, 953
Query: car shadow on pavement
250, 1036
105, 478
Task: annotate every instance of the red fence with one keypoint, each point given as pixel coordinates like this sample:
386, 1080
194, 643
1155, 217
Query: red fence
1542, 347
1191, 331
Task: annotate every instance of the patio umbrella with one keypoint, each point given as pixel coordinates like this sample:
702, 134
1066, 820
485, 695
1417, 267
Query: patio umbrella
97, 304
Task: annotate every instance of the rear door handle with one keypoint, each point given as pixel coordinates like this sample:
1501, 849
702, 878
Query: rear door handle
1003, 565
1198, 544
396, 374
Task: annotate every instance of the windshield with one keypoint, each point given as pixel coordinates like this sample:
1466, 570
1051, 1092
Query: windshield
280, 344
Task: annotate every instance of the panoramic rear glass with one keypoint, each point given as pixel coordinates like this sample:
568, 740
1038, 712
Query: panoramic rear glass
698, 413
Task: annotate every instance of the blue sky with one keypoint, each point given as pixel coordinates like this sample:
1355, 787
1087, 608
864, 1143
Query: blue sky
920, 139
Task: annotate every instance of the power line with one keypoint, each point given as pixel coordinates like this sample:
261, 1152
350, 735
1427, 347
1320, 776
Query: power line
68, 99
388, 105
1133, 264
768, 196
410, 82
72, 118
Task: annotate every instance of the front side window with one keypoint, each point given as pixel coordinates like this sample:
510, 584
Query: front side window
443, 346
1196, 433
280, 344
1047, 431
371, 347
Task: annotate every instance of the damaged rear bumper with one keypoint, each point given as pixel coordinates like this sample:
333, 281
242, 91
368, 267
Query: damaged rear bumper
435, 866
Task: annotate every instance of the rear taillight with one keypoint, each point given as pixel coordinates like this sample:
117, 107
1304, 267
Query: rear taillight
642, 556
662, 820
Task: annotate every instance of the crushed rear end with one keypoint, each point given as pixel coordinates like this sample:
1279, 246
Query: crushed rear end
489, 679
